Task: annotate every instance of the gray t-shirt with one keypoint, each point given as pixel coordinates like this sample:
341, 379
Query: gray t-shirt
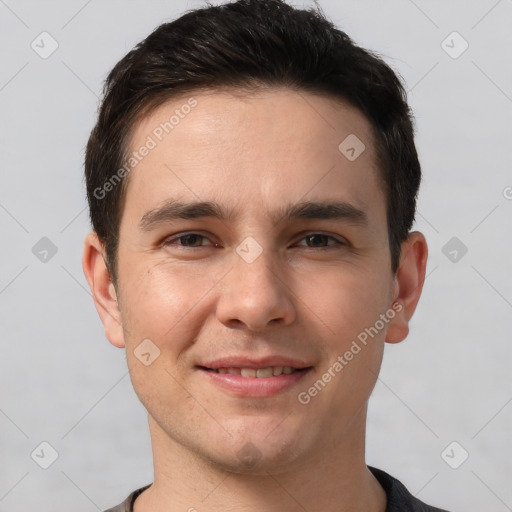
399, 499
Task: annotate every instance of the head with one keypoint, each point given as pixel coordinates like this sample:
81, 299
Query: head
253, 45
226, 129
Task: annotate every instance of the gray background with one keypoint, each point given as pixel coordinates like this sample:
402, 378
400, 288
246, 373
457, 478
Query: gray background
63, 383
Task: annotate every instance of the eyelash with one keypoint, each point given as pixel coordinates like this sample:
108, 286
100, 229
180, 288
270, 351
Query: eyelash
170, 240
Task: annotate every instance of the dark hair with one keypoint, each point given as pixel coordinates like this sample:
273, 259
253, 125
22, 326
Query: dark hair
249, 45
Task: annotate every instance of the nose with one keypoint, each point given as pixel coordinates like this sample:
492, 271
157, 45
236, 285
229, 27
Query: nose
255, 295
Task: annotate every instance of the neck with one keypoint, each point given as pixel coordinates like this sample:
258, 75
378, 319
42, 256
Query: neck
335, 478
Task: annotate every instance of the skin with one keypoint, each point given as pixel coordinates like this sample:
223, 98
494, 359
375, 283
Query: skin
301, 297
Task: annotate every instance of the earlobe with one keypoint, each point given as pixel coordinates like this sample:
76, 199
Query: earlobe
102, 289
408, 285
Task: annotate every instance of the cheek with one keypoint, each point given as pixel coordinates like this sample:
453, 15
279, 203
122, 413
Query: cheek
157, 298
345, 300
347, 305
163, 311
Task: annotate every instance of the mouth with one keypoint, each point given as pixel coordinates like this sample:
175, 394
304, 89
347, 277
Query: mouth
258, 373
260, 382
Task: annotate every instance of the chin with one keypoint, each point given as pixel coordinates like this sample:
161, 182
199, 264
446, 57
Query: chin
259, 451
251, 460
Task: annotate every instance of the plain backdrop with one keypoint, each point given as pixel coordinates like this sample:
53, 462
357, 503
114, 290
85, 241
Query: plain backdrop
62, 383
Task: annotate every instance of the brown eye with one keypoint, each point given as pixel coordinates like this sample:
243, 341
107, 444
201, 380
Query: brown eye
191, 240
319, 240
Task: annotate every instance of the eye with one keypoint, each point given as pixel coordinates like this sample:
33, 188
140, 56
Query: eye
194, 240
188, 240
319, 240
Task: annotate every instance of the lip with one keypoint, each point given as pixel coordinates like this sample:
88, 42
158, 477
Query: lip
254, 387
247, 362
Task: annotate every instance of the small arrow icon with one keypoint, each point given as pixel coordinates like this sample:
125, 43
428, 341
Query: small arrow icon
44, 45
454, 45
44, 250
454, 249
146, 352
249, 249
44, 455
351, 147
249, 455
454, 455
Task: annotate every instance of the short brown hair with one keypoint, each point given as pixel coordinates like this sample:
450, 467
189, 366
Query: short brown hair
245, 45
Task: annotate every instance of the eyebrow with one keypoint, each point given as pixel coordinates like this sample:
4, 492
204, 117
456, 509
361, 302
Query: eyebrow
308, 210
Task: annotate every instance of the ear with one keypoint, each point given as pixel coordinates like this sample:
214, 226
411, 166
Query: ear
408, 285
102, 289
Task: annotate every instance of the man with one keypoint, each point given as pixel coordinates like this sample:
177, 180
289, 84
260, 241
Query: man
252, 181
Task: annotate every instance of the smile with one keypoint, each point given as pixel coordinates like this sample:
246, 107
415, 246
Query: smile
270, 371
254, 382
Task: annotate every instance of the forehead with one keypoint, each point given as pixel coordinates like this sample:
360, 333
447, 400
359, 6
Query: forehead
255, 149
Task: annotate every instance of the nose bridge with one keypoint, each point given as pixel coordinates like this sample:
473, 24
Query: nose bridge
258, 274
253, 293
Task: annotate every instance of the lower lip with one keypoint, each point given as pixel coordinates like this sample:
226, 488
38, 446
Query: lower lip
255, 387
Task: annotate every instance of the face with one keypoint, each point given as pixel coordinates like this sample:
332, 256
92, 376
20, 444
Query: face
255, 289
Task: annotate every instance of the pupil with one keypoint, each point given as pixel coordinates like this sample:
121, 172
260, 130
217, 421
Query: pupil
316, 239
194, 240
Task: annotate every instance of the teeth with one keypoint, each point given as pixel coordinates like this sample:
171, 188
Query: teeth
271, 371
264, 372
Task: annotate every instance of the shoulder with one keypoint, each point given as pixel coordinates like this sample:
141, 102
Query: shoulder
399, 498
127, 504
